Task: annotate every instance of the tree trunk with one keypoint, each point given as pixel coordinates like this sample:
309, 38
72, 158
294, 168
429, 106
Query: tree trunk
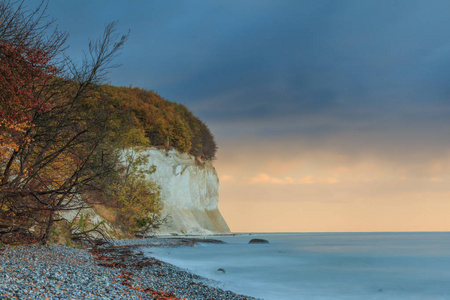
48, 226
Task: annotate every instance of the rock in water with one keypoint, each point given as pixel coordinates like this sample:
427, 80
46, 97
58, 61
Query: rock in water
258, 241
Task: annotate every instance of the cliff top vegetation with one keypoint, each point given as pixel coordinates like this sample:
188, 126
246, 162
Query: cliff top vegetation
164, 123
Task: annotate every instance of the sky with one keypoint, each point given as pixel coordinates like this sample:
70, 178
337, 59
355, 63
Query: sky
329, 115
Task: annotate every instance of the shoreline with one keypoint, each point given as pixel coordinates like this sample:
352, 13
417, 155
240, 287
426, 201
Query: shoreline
118, 270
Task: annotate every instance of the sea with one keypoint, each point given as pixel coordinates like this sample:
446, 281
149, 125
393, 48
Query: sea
407, 265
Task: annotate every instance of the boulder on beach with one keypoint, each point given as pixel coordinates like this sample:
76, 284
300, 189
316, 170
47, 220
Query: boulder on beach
210, 241
258, 241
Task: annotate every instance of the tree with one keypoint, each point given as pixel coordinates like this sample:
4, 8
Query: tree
54, 142
26, 48
137, 198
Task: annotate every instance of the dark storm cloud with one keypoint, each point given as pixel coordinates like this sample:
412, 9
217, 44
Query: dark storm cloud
352, 63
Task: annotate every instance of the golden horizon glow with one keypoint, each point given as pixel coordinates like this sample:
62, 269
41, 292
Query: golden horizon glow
314, 191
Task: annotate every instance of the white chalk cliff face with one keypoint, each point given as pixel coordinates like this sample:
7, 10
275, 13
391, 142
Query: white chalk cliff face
189, 191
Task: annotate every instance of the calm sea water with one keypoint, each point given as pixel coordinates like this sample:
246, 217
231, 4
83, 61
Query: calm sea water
324, 265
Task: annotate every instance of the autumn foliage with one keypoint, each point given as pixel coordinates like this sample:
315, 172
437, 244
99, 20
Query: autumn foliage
53, 148
165, 123
136, 199
23, 73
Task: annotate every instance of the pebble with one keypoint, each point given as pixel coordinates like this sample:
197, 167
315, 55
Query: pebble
61, 272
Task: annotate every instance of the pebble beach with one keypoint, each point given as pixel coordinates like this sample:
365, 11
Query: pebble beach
113, 271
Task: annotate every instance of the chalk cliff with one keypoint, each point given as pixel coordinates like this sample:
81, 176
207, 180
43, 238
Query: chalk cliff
189, 191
